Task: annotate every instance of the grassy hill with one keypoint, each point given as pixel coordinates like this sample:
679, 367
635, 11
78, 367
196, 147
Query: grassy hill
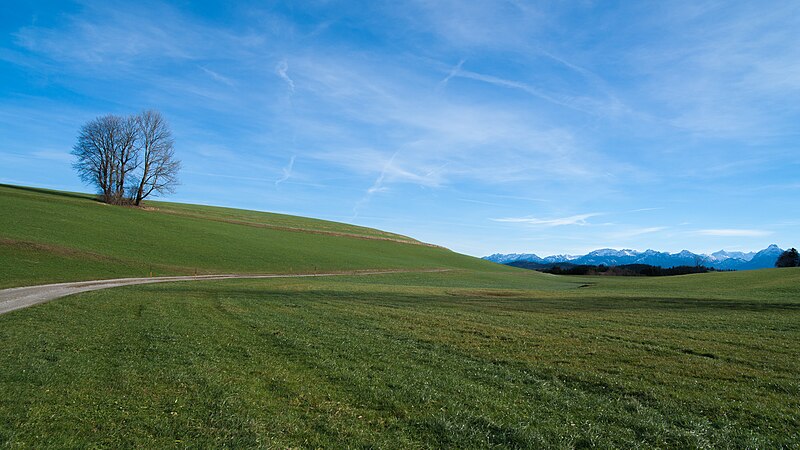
480, 356
50, 236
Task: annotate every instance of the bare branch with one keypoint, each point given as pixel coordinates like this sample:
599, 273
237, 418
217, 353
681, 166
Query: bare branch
159, 172
127, 158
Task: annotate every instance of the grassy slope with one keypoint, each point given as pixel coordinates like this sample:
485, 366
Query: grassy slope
272, 220
458, 359
48, 236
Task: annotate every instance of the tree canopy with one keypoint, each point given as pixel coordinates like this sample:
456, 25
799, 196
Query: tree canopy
789, 258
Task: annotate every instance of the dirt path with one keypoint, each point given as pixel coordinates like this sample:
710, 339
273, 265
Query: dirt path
23, 297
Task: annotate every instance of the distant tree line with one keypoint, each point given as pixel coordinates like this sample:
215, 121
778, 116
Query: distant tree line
789, 258
625, 270
127, 158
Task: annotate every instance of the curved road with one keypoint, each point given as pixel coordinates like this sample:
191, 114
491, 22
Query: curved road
23, 297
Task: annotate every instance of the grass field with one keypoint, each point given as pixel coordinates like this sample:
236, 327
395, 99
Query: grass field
479, 356
48, 236
409, 361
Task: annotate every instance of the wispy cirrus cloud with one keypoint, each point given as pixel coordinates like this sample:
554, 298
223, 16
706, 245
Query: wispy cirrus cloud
282, 70
377, 186
646, 209
574, 101
287, 171
578, 219
442, 139
719, 77
216, 76
54, 155
453, 72
645, 230
627, 233
732, 232
124, 37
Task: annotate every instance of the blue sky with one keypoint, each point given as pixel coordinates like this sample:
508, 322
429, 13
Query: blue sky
484, 126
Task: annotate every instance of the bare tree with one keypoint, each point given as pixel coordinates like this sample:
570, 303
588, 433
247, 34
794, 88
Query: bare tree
127, 155
159, 168
93, 155
106, 154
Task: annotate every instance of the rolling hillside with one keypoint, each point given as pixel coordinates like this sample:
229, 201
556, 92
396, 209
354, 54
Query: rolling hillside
50, 236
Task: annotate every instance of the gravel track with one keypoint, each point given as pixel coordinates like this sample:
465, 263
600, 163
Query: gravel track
23, 297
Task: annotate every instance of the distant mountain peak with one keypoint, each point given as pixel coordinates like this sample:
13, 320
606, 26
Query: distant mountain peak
721, 259
511, 257
613, 252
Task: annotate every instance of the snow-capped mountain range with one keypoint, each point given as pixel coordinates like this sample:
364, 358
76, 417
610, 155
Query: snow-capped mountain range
610, 257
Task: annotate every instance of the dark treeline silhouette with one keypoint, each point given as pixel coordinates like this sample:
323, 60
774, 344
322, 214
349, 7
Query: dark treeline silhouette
626, 270
789, 258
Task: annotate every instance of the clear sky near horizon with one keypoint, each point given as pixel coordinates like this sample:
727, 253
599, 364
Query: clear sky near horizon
484, 126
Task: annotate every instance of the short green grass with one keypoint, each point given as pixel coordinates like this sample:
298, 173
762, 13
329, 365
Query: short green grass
478, 356
272, 220
459, 359
49, 236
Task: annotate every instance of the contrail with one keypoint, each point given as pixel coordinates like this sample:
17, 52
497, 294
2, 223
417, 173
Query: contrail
287, 172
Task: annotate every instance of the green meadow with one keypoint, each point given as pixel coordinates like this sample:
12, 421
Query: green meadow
48, 236
478, 356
